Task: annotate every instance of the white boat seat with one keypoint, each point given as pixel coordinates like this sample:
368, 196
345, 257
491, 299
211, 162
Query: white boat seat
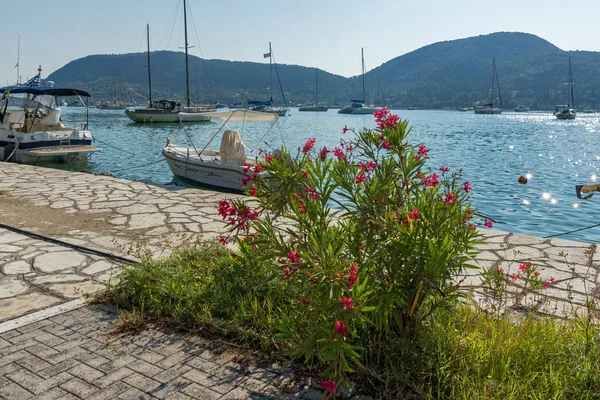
232, 149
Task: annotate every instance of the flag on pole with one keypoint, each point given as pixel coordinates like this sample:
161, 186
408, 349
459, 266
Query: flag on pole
267, 55
35, 81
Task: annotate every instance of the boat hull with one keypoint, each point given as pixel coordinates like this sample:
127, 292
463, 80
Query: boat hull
566, 116
313, 108
358, 110
142, 116
488, 111
207, 170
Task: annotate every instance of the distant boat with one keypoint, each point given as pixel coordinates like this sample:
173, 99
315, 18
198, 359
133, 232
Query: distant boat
267, 106
463, 109
489, 108
521, 108
567, 111
170, 110
316, 106
592, 110
114, 105
410, 108
358, 106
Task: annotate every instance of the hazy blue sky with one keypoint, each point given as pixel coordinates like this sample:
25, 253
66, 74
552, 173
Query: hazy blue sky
324, 33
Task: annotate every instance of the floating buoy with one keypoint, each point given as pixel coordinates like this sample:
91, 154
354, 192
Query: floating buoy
522, 179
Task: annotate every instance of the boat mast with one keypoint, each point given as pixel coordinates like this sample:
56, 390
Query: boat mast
271, 72
149, 76
316, 87
571, 85
187, 76
493, 81
498, 85
115, 83
18, 56
362, 54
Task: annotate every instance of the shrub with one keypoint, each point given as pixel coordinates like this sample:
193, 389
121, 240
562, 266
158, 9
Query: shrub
365, 239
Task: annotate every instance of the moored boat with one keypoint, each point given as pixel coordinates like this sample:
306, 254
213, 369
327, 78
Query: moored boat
315, 106
31, 130
359, 106
490, 108
225, 169
567, 111
267, 106
521, 108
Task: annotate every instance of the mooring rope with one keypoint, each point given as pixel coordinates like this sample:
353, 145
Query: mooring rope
140, 166
573, 231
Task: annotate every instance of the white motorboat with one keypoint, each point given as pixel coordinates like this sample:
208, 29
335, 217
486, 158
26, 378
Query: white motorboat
521, 108
359, 106
31, 130
227, 169
567, 111
490, 108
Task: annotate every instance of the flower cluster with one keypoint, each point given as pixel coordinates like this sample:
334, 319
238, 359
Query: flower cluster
240, 217
385, 120
308, 145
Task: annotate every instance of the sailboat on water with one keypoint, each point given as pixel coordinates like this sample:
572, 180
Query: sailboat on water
316, 106
114, 105
592, 110
358, 106
490, 108
170, 110
267, 106
567, 111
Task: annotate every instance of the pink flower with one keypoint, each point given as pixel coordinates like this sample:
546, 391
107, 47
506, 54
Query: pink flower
308, 145
467, 187
293, 257
340, 328
500, 271
546, 284
423, 150
347, 303
258, 168
487, 223
344, 129
305, 302
352, 274
223, 240
338, 153
513, 277
523, 267
302, 207
385, 120
444, 169
552, 280
414, 214
286, 273
386, 144
360, 178
268, 158
329, 386
247, 167
450, 198
252, 191
323, 153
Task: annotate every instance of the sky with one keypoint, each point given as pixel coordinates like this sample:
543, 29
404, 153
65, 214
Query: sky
327, 34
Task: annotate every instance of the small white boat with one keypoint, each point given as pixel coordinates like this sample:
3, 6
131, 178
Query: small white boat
226, 169
521, 108
567, 111
31, 131
490, 108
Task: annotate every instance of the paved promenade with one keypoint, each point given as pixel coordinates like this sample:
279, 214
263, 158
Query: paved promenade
70, 353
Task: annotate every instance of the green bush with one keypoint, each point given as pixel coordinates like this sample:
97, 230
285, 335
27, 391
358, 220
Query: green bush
371, 270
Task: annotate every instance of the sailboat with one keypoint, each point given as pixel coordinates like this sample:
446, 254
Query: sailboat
316, 106
567, 111
592, 110
115, 105
489, 108
358, 106
170, 110
267, 106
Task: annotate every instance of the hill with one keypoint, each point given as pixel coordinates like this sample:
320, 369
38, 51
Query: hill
453, 73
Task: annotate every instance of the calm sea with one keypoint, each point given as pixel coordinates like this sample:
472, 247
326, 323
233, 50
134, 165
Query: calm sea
493, 150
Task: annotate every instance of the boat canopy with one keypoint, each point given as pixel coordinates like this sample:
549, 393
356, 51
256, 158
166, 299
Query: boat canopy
241, 115
48, 90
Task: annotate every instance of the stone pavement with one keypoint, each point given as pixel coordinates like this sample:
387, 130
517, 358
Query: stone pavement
75, 356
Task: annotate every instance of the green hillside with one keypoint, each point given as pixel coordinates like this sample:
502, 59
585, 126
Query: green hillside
453, 73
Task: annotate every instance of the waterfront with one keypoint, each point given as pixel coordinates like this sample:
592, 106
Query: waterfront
493, 151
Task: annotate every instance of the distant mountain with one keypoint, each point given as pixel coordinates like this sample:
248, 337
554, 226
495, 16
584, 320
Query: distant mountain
453, 73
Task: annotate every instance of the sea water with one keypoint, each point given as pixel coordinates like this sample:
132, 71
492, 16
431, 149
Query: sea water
492, 150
